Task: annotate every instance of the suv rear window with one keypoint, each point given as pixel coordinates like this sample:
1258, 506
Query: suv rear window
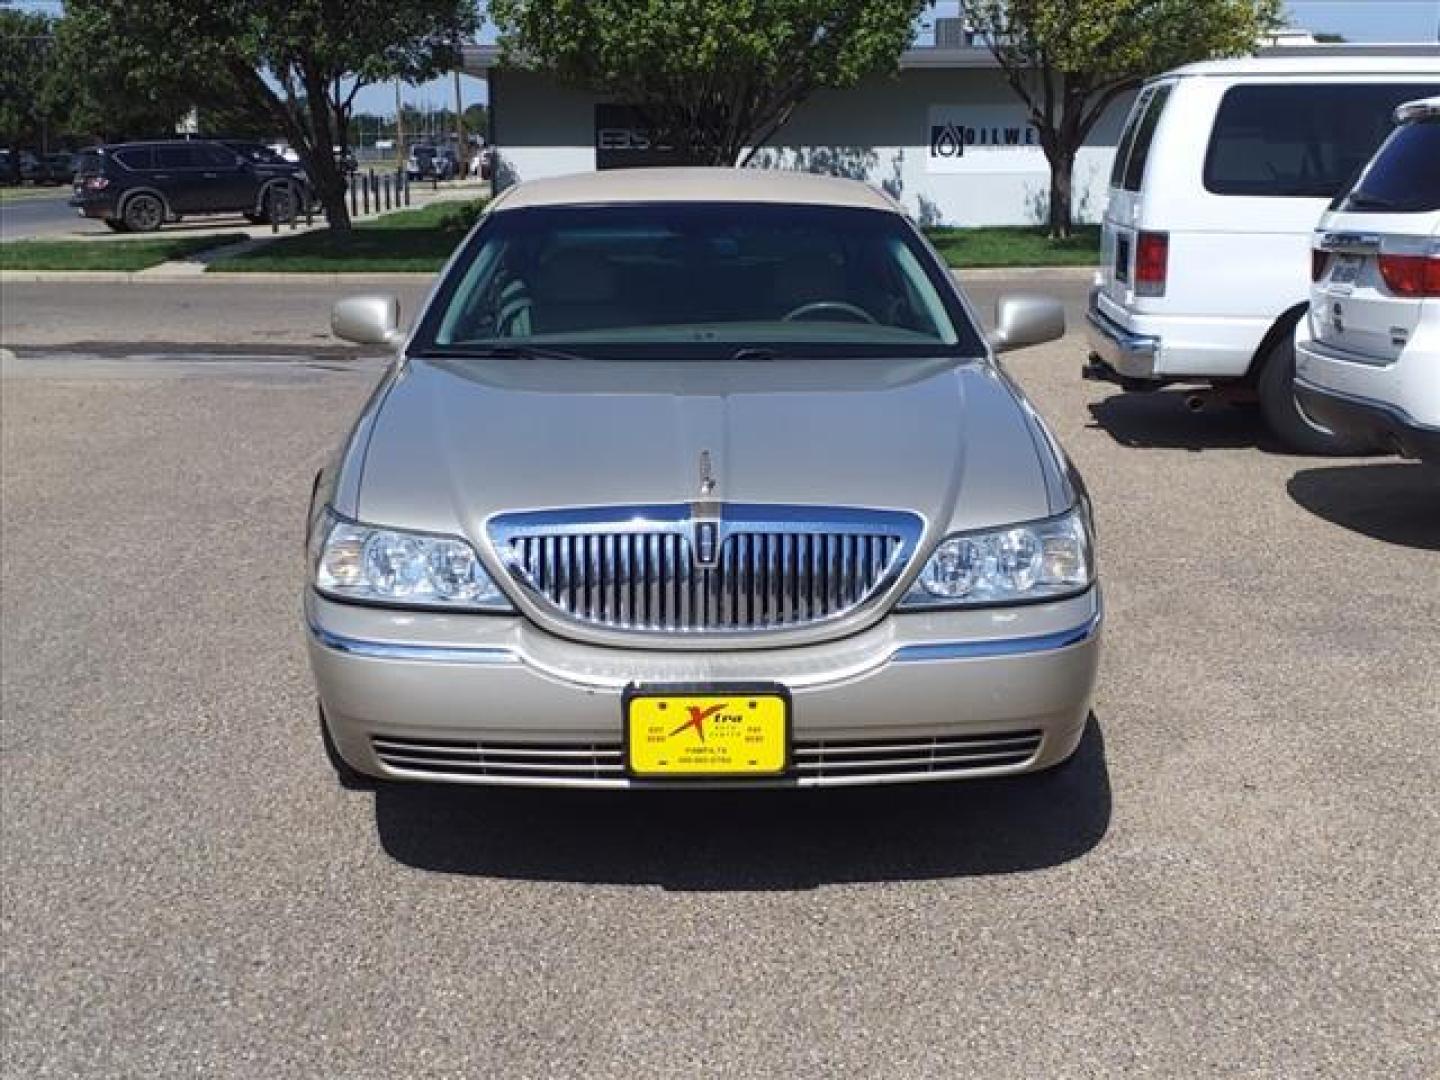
1134, 149
1404, 177
137, 157
87, 163
1300, 140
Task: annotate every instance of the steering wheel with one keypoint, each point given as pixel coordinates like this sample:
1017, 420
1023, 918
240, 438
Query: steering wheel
839, 306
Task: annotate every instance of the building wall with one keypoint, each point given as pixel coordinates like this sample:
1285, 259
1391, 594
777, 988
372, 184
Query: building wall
881, 131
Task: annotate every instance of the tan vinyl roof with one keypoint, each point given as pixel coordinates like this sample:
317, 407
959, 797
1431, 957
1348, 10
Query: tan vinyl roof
693, 185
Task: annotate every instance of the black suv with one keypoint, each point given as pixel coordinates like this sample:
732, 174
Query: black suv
137, 187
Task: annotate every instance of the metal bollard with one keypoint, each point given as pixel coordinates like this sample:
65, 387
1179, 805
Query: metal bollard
354, 196
404, 182
365, 194
385, 182
294, 207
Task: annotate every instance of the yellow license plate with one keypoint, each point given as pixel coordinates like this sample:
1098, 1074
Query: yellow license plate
708, 733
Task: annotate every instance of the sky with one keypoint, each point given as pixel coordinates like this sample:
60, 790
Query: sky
1357, 20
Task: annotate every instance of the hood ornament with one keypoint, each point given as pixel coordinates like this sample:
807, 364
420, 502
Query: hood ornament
705, 536
707, 478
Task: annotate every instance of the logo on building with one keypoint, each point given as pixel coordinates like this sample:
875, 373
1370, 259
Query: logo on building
952, 140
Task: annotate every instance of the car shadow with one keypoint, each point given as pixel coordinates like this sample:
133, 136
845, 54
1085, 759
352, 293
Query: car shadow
754, 840
1397, 503
1160, 420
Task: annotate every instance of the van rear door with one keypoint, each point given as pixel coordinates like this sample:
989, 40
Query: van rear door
1118, 234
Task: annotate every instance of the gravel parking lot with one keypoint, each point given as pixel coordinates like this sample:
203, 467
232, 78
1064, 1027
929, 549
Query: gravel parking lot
1236, 877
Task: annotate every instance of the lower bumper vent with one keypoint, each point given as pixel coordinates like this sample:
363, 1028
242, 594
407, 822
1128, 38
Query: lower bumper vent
536, 762
874, 758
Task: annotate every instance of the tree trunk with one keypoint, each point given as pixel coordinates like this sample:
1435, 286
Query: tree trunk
1062, 174
330, 189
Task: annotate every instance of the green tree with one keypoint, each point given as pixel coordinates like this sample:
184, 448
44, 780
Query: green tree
295, 65
25, 40
714, 78
1068, 62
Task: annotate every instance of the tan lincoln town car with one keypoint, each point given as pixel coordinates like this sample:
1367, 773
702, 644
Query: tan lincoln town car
694, 477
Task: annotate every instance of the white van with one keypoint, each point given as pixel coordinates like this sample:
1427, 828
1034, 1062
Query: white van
1222, 172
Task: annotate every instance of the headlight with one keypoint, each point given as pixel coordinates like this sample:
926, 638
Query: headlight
1043, 560
351, 561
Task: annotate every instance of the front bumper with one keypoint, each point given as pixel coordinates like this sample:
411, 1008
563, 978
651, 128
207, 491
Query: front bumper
496, 700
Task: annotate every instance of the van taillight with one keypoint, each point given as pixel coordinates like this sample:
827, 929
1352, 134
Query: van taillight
1318, 261
1411, 275
1152, 256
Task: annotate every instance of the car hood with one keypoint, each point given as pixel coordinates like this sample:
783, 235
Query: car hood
457, 441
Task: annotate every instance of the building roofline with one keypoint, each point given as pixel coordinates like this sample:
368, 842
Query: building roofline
481, 59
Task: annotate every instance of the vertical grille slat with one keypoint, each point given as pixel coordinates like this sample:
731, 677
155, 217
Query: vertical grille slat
765, 575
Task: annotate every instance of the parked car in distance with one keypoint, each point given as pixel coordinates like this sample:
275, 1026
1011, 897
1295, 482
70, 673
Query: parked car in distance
699, 476
137, 187
424, 163
1367, 358
32, 168
1222, 170
59, 168
9, 168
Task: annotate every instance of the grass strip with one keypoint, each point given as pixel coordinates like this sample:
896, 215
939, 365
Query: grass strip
127, 255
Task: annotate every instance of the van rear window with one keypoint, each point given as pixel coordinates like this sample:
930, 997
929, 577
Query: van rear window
1300, 140
1404, 177
1134, 149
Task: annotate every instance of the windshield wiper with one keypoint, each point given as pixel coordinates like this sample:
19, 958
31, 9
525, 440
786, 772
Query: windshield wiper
501, 352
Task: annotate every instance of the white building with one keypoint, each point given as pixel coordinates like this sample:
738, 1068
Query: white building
945, 136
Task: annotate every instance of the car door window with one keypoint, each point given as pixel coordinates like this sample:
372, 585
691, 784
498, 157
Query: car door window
138, 158
174, 157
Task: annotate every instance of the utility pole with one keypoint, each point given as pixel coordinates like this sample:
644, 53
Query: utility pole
399, 128
460, 153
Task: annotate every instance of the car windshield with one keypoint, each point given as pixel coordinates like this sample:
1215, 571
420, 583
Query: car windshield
698, 280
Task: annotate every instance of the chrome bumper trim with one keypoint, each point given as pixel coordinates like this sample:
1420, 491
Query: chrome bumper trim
903, 654
972, 650
435, 654
1131, 354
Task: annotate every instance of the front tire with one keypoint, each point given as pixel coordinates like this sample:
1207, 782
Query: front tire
1285, 418
143, 213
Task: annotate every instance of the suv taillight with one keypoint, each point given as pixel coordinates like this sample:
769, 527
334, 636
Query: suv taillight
1318, 261
1152, 257
96, 183
1411, 275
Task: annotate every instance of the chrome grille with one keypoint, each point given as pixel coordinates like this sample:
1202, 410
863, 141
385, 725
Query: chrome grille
773, 568
518, 761
837, 761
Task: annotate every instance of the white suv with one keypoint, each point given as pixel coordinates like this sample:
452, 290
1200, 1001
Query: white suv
1222, 170
1367, 359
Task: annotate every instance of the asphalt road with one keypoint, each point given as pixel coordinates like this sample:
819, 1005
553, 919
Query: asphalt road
1237, 877
43, 216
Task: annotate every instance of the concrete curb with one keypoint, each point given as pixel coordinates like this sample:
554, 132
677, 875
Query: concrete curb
161, 275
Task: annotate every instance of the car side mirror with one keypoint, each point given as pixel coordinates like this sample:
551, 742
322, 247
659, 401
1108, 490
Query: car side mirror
368, 320
1025, 319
